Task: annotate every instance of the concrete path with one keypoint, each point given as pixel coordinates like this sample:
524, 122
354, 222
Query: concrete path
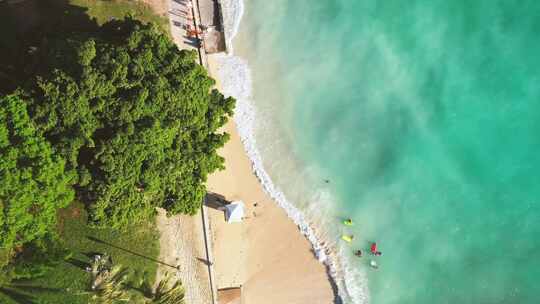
180, 16
186, 240
182, 244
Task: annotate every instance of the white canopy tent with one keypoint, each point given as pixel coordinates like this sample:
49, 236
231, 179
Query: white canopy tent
234, 212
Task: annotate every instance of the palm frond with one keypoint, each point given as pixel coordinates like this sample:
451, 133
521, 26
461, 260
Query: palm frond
110, 286
174, 294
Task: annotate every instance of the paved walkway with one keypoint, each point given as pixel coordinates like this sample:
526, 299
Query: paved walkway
185, 240
181, 15
197, 14
182, 244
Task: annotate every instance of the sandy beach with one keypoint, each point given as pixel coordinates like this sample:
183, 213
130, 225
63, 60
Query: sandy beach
266, 254
182, 244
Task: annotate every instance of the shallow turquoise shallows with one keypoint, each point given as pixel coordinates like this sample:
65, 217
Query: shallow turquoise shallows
425, 118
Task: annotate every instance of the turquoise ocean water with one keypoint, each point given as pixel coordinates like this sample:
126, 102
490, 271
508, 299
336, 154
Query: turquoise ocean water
425, 118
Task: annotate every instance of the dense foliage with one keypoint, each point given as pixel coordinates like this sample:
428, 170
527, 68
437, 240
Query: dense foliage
135, 118
33, 183
116, 116
33, 260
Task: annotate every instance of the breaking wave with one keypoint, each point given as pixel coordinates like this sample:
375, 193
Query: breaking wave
235, 78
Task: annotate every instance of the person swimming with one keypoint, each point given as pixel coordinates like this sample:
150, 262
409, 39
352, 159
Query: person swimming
373, 264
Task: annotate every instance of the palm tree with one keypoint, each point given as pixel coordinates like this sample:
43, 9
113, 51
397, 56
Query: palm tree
169, 295
109, 286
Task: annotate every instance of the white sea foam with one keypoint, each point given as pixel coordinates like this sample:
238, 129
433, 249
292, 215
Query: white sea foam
235, 77
357, 287
232, 11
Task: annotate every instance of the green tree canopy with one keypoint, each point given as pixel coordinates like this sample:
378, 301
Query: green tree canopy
134, 117
33, 183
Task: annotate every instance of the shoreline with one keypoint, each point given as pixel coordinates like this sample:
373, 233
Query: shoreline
235, 74
246, 255
291, 268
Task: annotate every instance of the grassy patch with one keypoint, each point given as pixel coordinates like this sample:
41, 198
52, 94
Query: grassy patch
104, 10
136, 248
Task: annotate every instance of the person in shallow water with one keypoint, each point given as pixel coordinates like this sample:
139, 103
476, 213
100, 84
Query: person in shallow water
358, 253
373, 248
348, 222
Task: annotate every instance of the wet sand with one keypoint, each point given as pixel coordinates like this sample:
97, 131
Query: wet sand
266, 254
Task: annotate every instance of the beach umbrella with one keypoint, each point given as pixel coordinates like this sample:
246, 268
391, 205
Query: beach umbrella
234, 212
